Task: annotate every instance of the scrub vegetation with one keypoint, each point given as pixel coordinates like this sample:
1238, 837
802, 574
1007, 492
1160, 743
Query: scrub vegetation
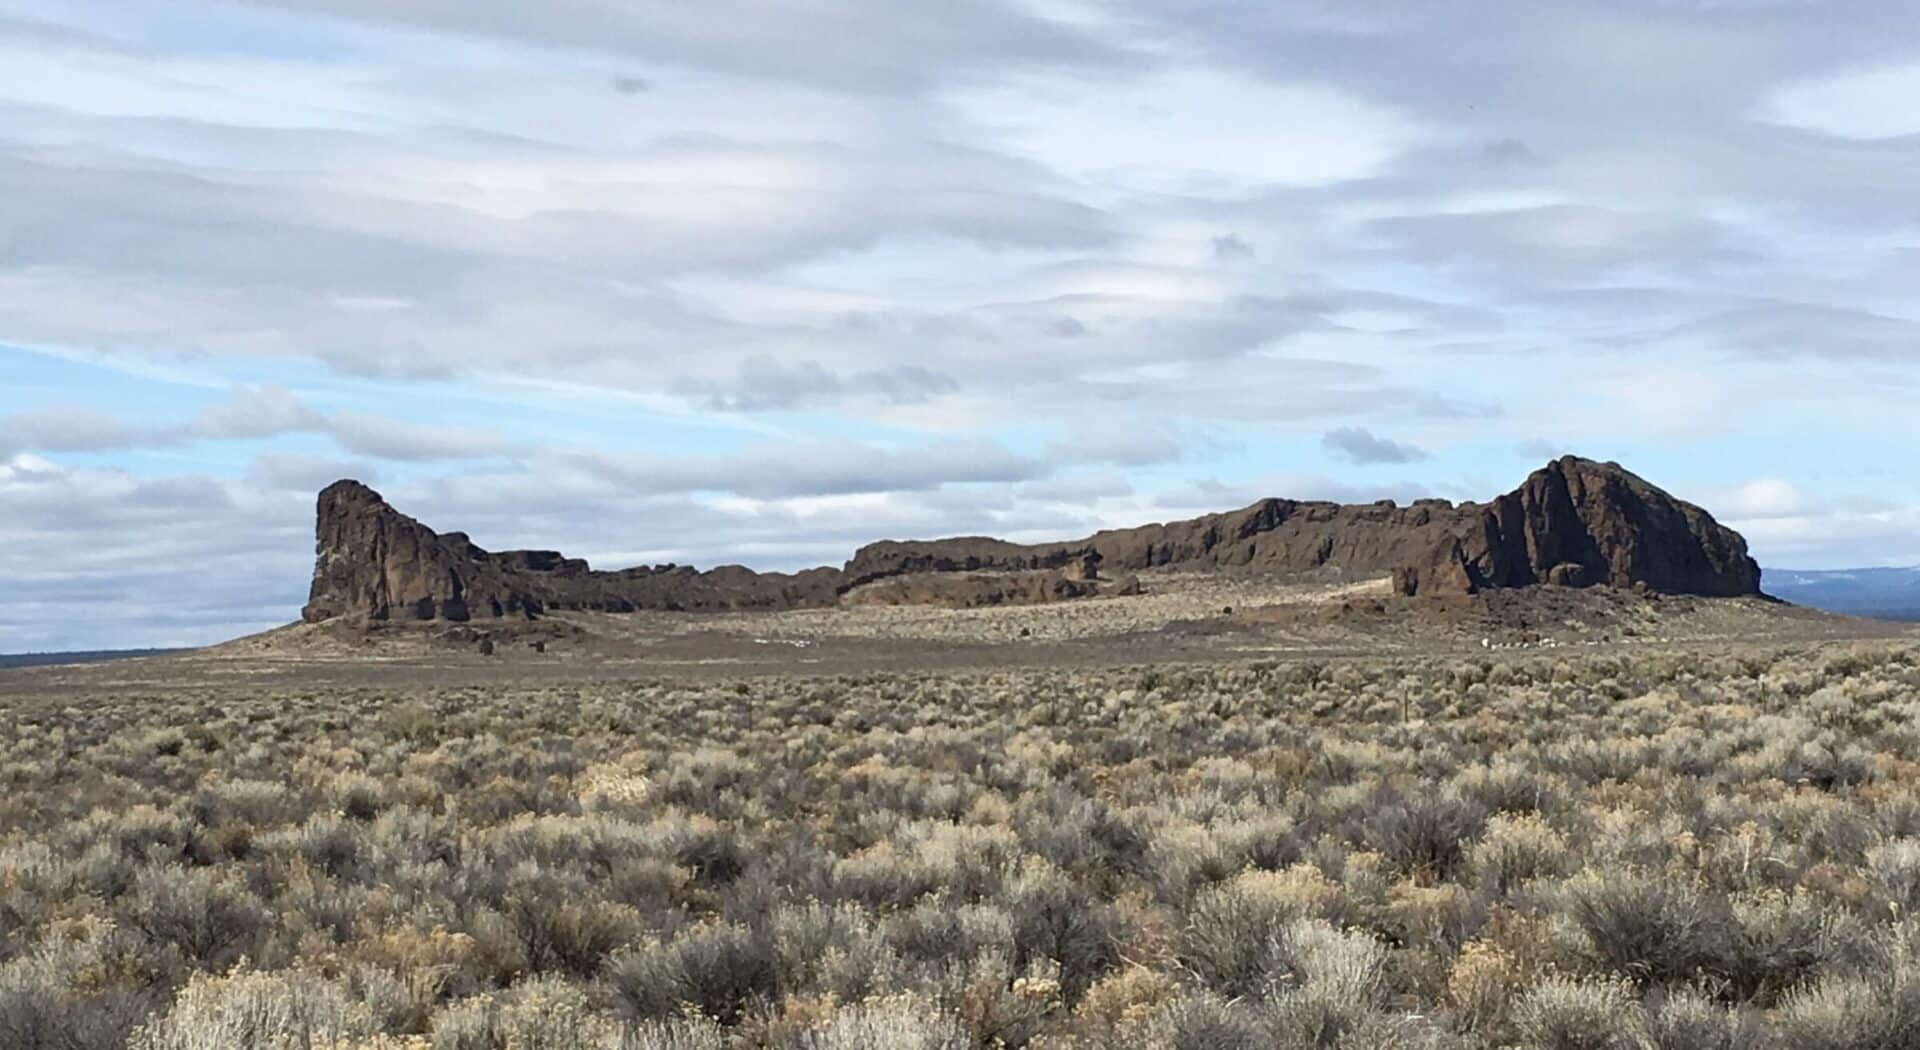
1567, 851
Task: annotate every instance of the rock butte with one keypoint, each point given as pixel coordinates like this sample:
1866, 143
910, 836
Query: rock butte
1572, 523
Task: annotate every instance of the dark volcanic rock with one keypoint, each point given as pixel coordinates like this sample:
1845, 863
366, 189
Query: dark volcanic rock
375, 562
1273, 535
1574, 523
969, 590
1577, 523
878, 561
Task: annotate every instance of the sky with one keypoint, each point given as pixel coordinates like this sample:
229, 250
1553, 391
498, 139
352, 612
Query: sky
752, 282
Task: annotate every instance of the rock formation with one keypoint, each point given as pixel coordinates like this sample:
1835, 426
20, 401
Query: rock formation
1271, 535
1576, 523
374, 562
970, 590
1573, 523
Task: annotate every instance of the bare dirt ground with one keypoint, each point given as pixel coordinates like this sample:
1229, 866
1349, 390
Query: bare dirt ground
1180, 617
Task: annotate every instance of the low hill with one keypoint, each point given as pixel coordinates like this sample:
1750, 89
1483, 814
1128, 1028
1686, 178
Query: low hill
78, 657
1884, 593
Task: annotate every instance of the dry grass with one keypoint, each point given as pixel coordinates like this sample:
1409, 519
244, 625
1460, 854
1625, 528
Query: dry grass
1561, 850
1180, 616
1167, 597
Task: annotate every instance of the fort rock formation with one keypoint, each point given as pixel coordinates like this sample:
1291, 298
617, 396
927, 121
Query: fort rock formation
1572, 523
1576, 523
374, 562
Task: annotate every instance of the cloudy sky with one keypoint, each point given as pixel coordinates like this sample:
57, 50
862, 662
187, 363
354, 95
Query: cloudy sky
743, 281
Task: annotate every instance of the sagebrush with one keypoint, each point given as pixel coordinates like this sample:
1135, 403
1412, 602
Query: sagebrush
1612, 849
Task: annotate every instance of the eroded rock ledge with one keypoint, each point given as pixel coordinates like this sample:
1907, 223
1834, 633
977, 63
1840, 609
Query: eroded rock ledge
1574, 522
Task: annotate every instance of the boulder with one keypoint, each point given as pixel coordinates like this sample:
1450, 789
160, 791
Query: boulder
1083, 569
1567, 574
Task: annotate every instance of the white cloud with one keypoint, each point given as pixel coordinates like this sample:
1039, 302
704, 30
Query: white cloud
1662, 399
993, 266
75, 428
1205, 497
250, 413
1877, 103
386, 438
815, 468
305, 473
99, 558
869, 43
1189, 130
1122, 444
1834, 538
256, 412
1761, 499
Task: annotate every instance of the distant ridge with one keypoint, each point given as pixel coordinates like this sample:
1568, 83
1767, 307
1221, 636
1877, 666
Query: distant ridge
1572, 523
1882, 593
78, 656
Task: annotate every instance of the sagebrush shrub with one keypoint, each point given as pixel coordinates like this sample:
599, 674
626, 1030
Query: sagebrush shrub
543, 1013
1852, 1012
1561, 1013
252, 1010
895, 1022
1514, 850
1201, 1023
1426, 833
201, 912
1646, 927
719, 969
1689, 1019
1704, 849
1236, 933
1894, 867
1062, 921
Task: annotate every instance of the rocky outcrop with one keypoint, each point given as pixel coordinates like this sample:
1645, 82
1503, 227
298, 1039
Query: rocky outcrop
1574, 523
1275, 535
373, 561
972, 590
376, 563
1577, 523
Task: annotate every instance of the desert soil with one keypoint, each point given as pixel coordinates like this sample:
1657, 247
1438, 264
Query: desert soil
1181, 617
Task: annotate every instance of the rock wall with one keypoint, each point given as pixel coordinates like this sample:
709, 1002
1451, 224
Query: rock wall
1578, 523
374, 562
1273, 534
972, 590
371, 560
1573, 523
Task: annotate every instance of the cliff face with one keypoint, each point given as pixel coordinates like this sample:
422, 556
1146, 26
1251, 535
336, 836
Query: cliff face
1273, 534
1573, 523
1578, 523
374, 562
